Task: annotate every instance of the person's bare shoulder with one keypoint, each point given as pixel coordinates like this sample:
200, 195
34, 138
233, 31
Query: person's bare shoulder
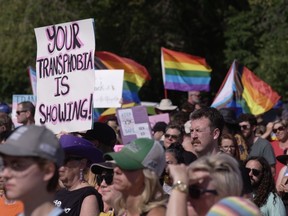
157, 211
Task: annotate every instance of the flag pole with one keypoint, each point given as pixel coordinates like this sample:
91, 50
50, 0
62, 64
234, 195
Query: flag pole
165, 93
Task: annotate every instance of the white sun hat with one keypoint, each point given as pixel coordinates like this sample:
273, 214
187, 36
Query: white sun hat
165, 104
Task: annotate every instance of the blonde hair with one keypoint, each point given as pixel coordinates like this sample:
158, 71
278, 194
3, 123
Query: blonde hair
91, 179
283, 122
152, 196
224, 171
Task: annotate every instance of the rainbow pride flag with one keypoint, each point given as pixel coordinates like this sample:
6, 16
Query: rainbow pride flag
184, 72
135, 75
245, 92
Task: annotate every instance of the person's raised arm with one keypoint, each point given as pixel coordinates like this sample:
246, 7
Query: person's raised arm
177, 204
279, 180
268, 131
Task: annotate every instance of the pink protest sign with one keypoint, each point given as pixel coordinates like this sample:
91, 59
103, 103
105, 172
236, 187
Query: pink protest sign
159, 118
134, 123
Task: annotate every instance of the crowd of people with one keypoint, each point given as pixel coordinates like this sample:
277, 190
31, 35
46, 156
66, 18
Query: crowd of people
203, 161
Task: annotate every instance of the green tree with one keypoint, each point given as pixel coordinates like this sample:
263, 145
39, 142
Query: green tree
17, 40
273, 53
257, 37
254, 32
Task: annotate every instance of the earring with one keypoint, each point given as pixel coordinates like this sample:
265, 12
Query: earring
81, 175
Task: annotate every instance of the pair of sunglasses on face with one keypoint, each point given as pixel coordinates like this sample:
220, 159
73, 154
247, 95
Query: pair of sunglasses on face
108, 177
244, 127
255, 172
18, 112
171, 135
72, 158
195, 192
281, 128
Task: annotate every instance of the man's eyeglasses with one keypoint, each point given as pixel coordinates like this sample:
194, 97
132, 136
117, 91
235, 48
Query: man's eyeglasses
244, 127
171, 135
108, 177
281, 128
255, 172
18, 112
195, 192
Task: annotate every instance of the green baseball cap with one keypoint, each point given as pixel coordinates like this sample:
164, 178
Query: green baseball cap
139, 154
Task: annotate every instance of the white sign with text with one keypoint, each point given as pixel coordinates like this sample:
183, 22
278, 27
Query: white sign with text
65, 76
108, 88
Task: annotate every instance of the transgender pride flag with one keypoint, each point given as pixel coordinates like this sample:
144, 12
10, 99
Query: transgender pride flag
184, 72
33, 79
243, 91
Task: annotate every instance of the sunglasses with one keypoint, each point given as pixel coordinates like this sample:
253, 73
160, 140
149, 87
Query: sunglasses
244, 127
17, 165
71, 158
18, 112
108, 177
255, 172
170, 135
195, 192
281, 128
197, 95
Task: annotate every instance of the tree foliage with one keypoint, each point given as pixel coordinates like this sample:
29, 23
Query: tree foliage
257, 37
17, 40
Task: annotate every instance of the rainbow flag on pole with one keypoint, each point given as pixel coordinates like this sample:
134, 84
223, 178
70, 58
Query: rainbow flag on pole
184, 72
135, 75
245, 92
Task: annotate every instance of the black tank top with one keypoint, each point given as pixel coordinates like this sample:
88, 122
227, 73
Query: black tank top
71, 201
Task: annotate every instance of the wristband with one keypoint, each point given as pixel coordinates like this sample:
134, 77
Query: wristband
180, 186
